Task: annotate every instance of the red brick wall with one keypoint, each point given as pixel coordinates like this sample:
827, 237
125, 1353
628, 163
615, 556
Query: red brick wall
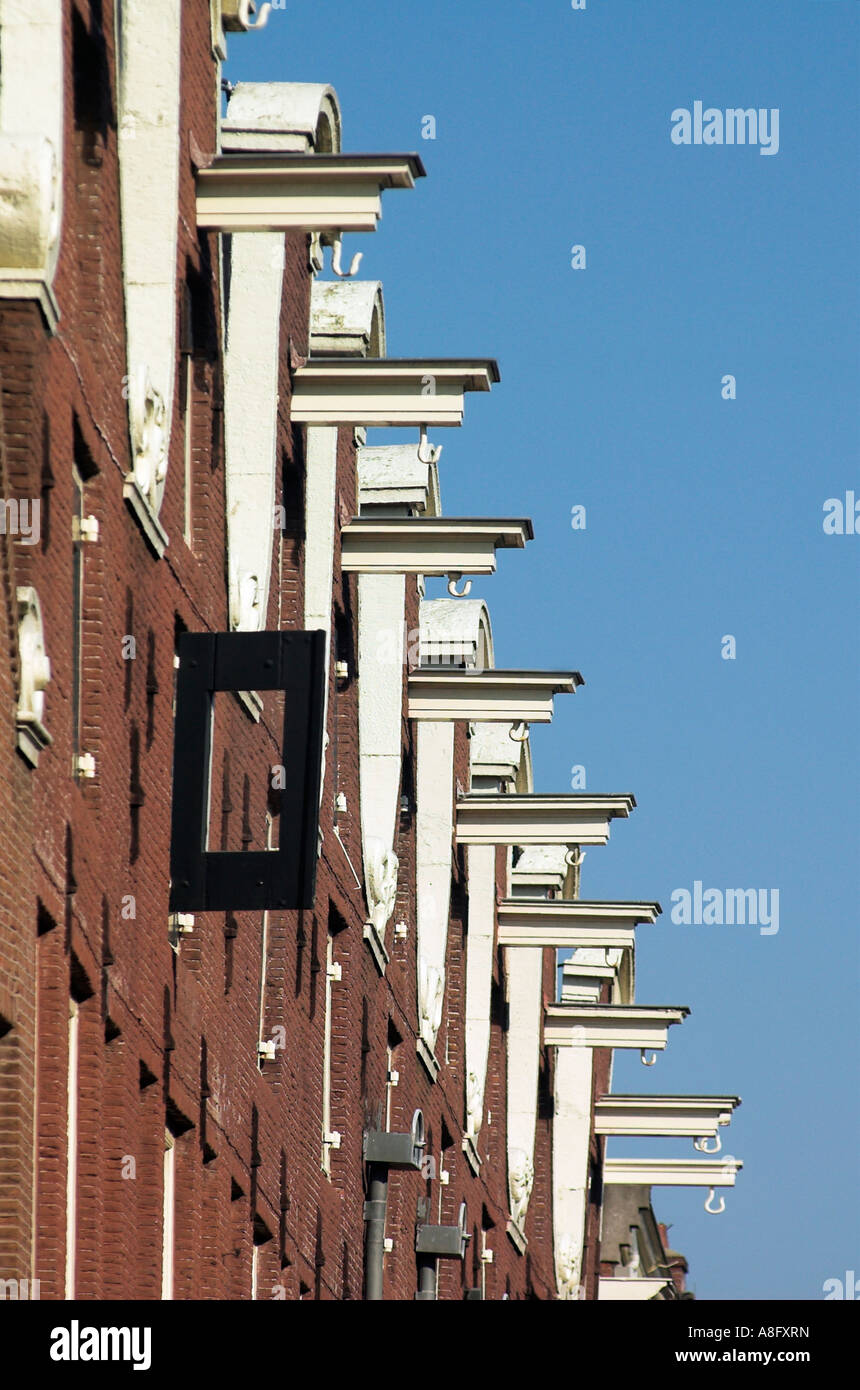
169, 1039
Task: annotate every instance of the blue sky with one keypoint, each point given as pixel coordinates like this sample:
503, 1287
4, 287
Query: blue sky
704, 515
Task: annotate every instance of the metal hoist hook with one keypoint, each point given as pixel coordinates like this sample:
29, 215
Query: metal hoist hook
643, 1057
337, 264
427, 453
246, 9
519, 732
715, 1211
452, 586
702, 1145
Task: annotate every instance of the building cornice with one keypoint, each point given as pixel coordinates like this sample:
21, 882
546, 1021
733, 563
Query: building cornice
568, 925
285, 192
451, 693
635, 1290
429, 545
636, 1026
534, 819
388, 392
672, 1172
690, 1116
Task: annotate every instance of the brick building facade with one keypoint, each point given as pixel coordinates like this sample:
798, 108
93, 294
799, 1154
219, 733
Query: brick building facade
184, 1103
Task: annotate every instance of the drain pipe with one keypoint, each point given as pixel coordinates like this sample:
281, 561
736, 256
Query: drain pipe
374, 1216
426, 1279
382, 1152
434, 1243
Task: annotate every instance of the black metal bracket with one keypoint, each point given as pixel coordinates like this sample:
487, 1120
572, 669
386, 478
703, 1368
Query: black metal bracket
283, 878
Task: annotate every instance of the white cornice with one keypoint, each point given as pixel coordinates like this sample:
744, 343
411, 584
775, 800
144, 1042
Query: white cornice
610, 1025
691, 1116
449, 693
672, 1172
429, 545
386, 391
537, 819
272, 192
558, 934
568, 925
630, 1290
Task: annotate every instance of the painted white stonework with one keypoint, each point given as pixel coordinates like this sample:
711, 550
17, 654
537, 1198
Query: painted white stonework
251, 357
450, 631
347, 318
270, 116
290, 117
499, 762
524, 971
434, 831
31, 145
356, 310
320, 497
541, 869
481, 870
394, 481
455, 632
381, 607
571, 1131
493, 757
586, 971
148, 142
34, 676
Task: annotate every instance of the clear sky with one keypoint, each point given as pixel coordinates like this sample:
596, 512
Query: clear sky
704, 515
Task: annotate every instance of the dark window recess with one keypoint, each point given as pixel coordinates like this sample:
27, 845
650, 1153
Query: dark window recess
47, 483
284, 878
92, 103
151, 687
136, 794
